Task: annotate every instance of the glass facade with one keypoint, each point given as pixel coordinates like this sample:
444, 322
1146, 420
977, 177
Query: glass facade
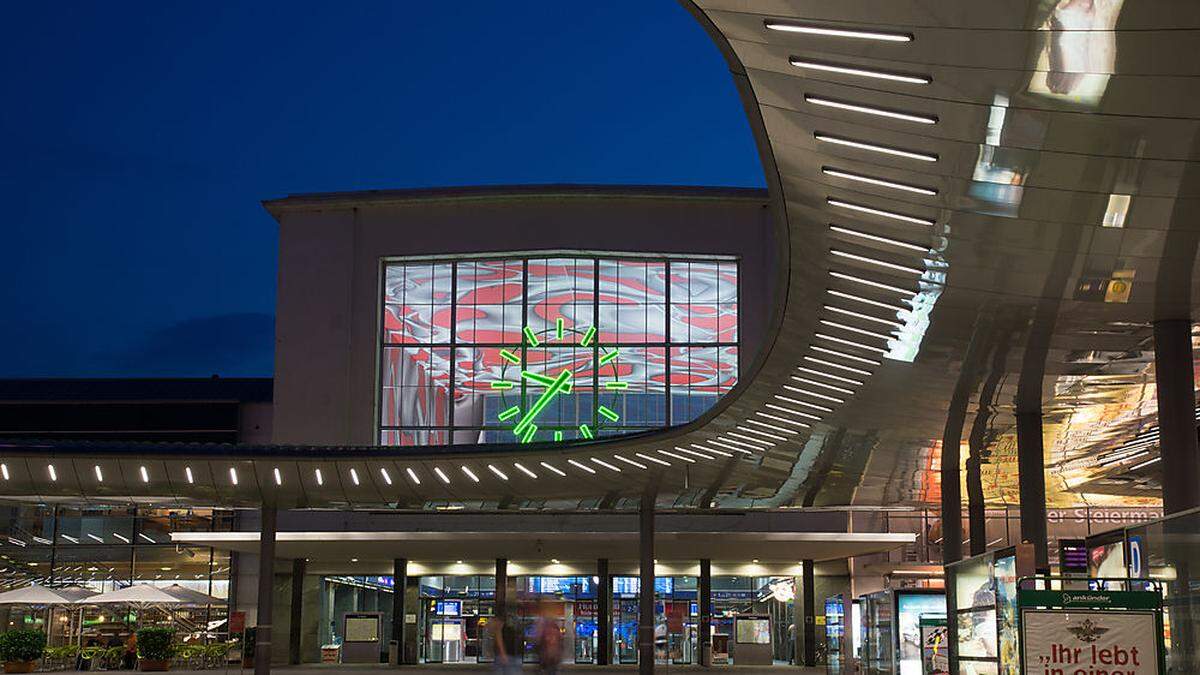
103, 549
471, 349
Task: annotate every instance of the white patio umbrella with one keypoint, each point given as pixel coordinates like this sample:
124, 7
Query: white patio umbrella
34, 594
188, 596
138, 594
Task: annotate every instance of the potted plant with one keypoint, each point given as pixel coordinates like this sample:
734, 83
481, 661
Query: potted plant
249, 638
155, 648
22, 649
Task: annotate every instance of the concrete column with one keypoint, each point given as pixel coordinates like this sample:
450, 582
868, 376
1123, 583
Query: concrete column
266, 576
399, 583
1031, 471
810, 613
296, 629
646, 592
706, 612
502, 590
1175, 386
603, 613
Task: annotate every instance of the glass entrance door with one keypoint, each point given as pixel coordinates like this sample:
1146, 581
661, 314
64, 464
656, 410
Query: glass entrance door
625, 625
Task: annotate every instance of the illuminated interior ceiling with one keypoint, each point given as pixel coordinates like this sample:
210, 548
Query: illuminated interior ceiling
986, 204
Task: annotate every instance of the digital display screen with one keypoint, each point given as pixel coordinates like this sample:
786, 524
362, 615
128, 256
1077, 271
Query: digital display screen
449, 607
753, 631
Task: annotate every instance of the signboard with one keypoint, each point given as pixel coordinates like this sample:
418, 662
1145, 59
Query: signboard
1089, 632
935, 646
362, 628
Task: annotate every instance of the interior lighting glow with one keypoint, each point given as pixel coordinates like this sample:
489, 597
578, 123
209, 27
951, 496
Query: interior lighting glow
4, 471
783, 420
768, 425
853, 329
121, 537
733, 445
876, 238
714, 451
750, 439
865, 301
673, 455
278, 476
412, 475
863, 208
522, 469
499, 474
835, 378
851, 357
354, 475
1123, 458
873, 261
187, 473
605, 464
470, 473
441, 475
74, 540
552, 469
831, 387
806, 404
1144, 464
320, 478
810, 29
871, 110
814, 394
766, 434
387, 477
630, 462
92, 536
144, 473
233, 477
52, 472
849, 343
873, 284
842, 69
99, 474
797, 413
147, 537
580, 465
872, 147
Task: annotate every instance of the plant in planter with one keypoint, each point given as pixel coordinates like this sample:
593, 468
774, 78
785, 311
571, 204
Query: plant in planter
249, 639
21, 650
155, 648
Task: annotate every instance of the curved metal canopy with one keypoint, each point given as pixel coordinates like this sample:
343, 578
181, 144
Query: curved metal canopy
986, 205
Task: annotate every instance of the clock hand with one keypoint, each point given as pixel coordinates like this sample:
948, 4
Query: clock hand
543, 380
558, 384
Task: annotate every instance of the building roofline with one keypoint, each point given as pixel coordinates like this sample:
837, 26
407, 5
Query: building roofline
324, 200
122, 389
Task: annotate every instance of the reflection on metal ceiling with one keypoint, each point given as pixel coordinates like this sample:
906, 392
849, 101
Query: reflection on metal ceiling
985, 205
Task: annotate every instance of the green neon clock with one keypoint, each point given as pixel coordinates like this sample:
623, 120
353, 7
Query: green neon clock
531, 384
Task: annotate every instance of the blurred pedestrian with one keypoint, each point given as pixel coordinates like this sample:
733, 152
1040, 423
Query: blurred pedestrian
549, 640
504, 639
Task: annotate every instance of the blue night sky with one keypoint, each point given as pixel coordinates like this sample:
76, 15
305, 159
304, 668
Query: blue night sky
139, 138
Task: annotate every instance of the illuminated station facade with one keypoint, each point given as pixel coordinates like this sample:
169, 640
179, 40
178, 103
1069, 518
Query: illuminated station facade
827, 423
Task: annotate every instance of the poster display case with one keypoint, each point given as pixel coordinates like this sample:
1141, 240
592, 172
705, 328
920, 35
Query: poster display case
836, 644
984, 589
892, 642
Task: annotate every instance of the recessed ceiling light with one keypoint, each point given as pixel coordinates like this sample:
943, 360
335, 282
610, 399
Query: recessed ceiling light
630, 462
849, 343
354, 475
881, 182
648, 458
499, 474
814, 394
470, 473
855, 329
53, 474
1135, 467
581, 466
738, 446
834, 352
873, 284
554, 561
187, 472
862, 208
551, 469
673, 455
320, 478
522, 469
875, 237
844, 69
837, 378
874, 147
278, 476
823, 385
354, 560
387, 477
714, 451
779, 419
811, 29
99, 474
442, 475
233, 477
865, 301
806, 404
871, 110
751, 439
767, 434
412, 475
873, 261
694, 453
797, 413
864, 317
605, 464
144, 473
4, 471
